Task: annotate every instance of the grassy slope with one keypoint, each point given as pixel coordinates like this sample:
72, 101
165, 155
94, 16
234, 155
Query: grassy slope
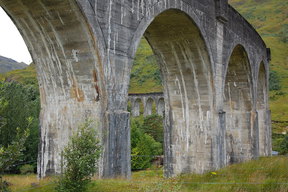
267, 174
145, 75
26, 76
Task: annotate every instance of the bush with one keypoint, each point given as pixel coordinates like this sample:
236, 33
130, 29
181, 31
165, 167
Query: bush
18, 103
153, 126
25, 169
79, 160
284, 146
144, 147
274, 81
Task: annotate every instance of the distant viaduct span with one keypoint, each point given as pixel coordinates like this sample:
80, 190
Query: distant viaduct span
147, 100
214, 68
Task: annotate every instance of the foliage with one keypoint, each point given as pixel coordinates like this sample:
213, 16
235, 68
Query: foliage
284, 146
145, 75
19, 107
268, 174
274, 81
153, 126
10, 154
276, 141
80, 159
144, 148
25, 76
25, 169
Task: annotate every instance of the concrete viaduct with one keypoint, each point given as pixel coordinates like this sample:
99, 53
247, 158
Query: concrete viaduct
214, 67
147, 99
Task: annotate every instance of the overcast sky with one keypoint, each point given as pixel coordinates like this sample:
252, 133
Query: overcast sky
11, 43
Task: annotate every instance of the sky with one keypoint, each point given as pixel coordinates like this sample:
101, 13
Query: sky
12, 44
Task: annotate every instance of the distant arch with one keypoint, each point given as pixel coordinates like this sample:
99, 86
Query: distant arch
161, 107
137, 105
148, 106
262, 108
238, 105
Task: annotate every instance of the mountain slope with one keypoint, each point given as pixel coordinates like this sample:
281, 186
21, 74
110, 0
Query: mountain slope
7, 64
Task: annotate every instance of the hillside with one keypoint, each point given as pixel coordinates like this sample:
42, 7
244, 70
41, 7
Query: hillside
26, 75
7, 64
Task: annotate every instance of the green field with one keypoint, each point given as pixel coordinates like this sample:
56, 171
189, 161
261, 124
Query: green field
263, 175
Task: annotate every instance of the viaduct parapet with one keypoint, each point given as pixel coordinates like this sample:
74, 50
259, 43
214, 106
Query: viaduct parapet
214, 66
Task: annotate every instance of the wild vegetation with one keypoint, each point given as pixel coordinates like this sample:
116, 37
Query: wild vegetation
269, 174
79, 159
19, 110
146, 144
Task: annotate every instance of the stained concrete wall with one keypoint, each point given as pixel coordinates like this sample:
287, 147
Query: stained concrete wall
84, 51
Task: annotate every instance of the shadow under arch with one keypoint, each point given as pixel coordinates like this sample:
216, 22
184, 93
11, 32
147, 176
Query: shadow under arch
263, 112
187, 79
241, 137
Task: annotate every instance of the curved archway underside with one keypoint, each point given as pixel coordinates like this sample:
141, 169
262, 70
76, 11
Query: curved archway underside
186, 72
238, 104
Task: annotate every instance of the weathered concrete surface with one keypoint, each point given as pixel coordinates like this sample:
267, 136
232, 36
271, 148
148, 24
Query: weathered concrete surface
214, 67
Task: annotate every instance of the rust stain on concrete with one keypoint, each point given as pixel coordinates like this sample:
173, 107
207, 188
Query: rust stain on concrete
76, 92
96, 85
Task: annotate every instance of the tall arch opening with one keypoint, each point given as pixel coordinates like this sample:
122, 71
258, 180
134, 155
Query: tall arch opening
262, 102
238, 107
187, 83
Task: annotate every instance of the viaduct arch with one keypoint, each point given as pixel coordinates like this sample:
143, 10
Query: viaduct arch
214, 67
136, 99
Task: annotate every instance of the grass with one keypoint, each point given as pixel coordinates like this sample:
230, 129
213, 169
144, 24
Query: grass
269, 174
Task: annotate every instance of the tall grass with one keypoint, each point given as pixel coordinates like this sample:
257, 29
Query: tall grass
269, 174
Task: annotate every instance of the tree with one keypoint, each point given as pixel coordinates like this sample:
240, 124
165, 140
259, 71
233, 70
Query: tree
80, 159
17, 104
284, 146
274, 81
153, 126
10, 154
144, 147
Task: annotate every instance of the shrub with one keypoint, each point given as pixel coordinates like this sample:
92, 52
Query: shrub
25, 169
284, 146
153, 126
144, 147
79, 160
274, 81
